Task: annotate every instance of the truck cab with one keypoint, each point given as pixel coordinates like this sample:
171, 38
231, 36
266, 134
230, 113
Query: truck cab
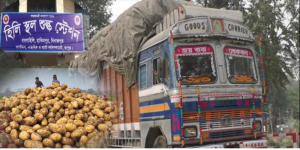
199, 82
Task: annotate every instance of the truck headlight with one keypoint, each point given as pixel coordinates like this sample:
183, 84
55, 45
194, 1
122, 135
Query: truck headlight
258, 125
190, 131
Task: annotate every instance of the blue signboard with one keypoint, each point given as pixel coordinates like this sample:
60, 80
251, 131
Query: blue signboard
41, 32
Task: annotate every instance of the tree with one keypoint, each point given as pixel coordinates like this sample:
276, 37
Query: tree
98, 12
227, 4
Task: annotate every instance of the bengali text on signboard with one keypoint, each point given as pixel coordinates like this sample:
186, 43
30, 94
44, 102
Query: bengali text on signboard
41, 32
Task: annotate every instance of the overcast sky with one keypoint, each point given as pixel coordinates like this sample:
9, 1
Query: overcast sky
119, 6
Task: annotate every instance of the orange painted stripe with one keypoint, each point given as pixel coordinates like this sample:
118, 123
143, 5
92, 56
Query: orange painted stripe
155, 108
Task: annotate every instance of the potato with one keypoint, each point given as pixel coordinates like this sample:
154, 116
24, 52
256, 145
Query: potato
26, 113
14, 125
67, 99
64, 86
106, 117
44, 132
31, 107
19, 143
103, 106
29, 121
62, 111
51, 120
70, 121
98, 113
62, 120
24, 135
108, 109
102, 127
48, 142
37, 106
108, 123
72, 117
100, 120
67, 146
67, 141
30, 131
27, 91
80, 102
77, 133
50, 115
85, 109
83, 141
57, 105
39, 116
89, 128
90, 135
72, 112
36, 127
68, 134
14, 134
74, 104
71, 127
54, 93
33, 144
78, 123
112, 115
92, 121
56, 137
79, 116
36, 137
44, 111
22, 107
58, 128
57, 116
8, 129
53, 110
57, 145
24, 128
44, 122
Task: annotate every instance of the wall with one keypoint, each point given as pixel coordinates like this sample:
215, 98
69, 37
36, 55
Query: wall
59, 6
23, 6
40, 59
69, 6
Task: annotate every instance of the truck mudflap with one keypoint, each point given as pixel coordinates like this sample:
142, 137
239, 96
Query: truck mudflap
236, 144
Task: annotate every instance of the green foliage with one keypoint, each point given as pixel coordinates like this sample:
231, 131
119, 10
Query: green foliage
98, 12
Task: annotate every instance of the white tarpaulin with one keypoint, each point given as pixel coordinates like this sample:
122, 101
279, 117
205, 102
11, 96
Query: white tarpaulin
119, 43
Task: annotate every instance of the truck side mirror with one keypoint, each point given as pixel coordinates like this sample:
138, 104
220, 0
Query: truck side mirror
160, 68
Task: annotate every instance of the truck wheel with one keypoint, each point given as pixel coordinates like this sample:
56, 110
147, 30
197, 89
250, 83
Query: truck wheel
160, 142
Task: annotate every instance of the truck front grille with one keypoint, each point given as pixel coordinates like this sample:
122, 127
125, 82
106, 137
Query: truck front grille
226, 134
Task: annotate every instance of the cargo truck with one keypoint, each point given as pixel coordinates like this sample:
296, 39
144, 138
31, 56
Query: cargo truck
198, 85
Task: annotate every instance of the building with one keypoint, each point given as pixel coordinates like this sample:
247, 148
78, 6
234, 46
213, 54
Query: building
56, 11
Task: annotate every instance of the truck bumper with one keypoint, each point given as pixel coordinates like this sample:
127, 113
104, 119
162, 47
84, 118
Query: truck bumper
236, 144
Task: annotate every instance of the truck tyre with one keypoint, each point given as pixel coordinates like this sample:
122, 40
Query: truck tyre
160, 142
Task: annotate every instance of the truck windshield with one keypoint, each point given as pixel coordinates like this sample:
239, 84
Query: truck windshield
195, 64
240, 65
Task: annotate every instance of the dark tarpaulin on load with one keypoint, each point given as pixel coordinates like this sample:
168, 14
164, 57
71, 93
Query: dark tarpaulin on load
118, 44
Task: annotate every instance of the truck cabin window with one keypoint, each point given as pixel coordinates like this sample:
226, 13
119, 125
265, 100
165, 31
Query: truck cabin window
196, 64
240, 65
155, 72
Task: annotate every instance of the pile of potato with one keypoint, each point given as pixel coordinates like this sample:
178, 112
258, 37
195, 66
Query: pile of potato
56, 117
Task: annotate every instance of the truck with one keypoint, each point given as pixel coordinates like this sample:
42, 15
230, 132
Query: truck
198, 85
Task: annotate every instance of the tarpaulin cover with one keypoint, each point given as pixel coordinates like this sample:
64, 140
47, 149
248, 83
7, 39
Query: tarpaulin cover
118, 44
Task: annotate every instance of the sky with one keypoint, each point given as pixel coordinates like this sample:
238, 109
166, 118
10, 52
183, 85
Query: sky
119, 6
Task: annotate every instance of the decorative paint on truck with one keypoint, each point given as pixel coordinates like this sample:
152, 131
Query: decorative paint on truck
198, 84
